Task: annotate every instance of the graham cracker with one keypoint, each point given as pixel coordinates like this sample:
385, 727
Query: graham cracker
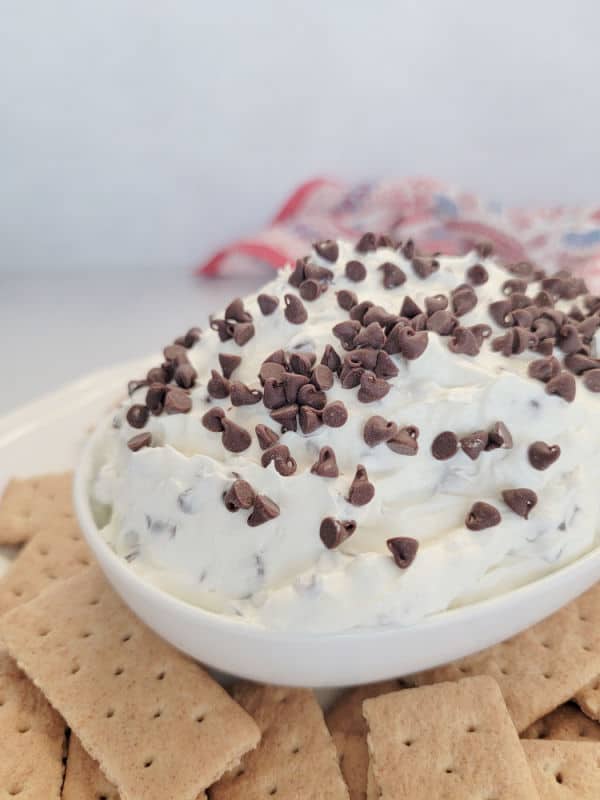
565, 770
28, 503
567, 722
349, 733
451, 740
32, 738
156, 722
296, 759
541, 668
588, 699
52, 554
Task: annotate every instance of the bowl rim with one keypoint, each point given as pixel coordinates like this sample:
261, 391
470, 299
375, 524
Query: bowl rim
250, 631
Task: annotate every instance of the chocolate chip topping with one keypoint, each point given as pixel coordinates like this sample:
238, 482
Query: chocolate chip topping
266, 436
327, 249
464, 300
162, 374
358, 311
309, 419
372, 388
229, 363
137, 415
500, 312
444, 446
334, 531
367, 243
409, 249
273, 394
477, 274
378, 430
175, 353
412, 344
346, 299
264, 510
223, 328
437, 302
499, 436
190, 338
322, 377
243, 332
271, 371
356, 271
405, 441
292, 383
362, 490
562, 385
542, 455
464, 342
286, 416
217, 386
371, 336
346, 331
155, 397
591, 380
481, 516
239, 495
279, 455
424, 267
310, 289
384, 366
442, 322
235, 311
185, 376
234, 438
267, 303
177, 401
579, 363
139, 441
474, 443
403, 549
213, 419
392, 275
409, 308
331, 359
521, 501
335, 414
242, 395
295, 313
542, 369
326, 465
309, 395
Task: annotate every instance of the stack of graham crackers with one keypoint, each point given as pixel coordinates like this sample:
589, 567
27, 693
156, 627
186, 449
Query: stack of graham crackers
94, 706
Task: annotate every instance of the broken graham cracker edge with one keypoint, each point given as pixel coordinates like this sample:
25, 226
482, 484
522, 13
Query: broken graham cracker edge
443, 738
155, 721
26, 504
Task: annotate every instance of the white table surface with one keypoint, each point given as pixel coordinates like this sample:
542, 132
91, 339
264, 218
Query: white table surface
58, 327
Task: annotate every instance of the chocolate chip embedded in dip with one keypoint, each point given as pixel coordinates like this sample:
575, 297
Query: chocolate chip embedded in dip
375, 436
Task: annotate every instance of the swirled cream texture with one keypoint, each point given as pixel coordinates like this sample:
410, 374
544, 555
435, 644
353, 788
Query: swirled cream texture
163, 504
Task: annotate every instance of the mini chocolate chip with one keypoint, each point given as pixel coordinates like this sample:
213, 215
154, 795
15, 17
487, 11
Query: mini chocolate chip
350, 376
236, 311
239, 495
591, 380
327, 249
334, 531
524, 317
190, 338
185, 376
542, 455
134, 385
419, 323
521, 501
292, 382
264, 510
412, 344
542, 369
405, 441
383, 240
403, 549
523, 269
273, 393
223, 328
356, 271
243, 332
213, 419
514, 341
267, 303
378, 430
588, 327
392, 275
139, 441
463, 342
302, 363
295, 313
310, 289
286, 416
381, 316
499, 436
474, 443
442, 322
481, 331
271, 372
266, 436
159, 375
358, 311
331, 359
543, 298
346, 331
155, 397
371, 336
316, 273
137, 416
477, 274
217, 386
309, 395
563, 385
463, 300
229, 363
372, 388
392, 343
482, 516
484, 248
409, 308
279, 455
335, 414
346, 299
576, 314
409, 249
385, 367
500, 312
545, 347
177, 401
309, 419
570, 340
437, 302
592, 302
367, 243
175, 353
277, 357
235, 438
326, 465
362, 490
364, 357
444, 446
424, 267
242, 395
580, 363
322, 377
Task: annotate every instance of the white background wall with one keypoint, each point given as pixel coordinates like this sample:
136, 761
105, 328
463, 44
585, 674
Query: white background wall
139, 133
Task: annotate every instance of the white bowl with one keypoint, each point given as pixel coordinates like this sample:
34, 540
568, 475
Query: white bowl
339, 659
